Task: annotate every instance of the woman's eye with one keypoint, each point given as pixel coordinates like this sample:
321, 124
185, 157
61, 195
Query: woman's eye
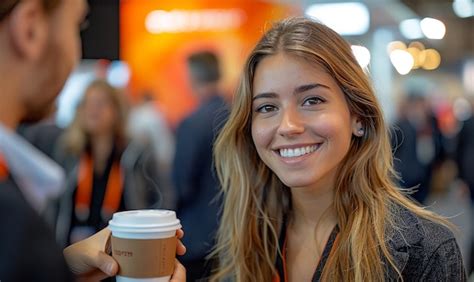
266, 109
312, 101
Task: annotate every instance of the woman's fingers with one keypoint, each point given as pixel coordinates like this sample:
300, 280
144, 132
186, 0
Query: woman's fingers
180, 233
179, 274
180, 248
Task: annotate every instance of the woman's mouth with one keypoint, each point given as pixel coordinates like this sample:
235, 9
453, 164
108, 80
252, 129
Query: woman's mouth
297, 152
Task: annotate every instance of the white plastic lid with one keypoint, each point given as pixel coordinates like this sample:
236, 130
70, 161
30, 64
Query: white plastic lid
144, 221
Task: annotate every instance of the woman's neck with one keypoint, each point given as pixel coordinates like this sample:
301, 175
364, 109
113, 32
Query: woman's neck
310, 225
310, 208
102, 146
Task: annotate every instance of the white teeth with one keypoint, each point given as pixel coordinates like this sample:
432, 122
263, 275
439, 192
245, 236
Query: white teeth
290, 153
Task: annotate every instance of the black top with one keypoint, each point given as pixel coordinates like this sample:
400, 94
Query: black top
95, 220
28, 251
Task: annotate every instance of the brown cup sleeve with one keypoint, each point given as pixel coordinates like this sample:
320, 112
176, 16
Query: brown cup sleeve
144, 258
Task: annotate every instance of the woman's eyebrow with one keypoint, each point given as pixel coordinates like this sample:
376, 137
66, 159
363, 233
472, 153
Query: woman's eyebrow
297, 90
264, 95
306, 87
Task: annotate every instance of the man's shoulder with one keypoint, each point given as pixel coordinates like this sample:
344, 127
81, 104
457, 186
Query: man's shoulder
417, 244
16, 212
208, 116
10, 196
26, 241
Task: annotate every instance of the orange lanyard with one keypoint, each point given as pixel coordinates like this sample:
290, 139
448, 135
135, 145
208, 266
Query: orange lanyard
3, 167
277, 277
113, 193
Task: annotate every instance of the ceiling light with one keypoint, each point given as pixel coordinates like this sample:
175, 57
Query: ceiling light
402, 61
350, 18
433, 28
362, 55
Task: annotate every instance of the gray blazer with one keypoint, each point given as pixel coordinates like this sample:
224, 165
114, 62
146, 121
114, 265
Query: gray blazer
424, 251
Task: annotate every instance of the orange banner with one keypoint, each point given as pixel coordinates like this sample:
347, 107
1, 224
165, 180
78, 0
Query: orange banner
157, 36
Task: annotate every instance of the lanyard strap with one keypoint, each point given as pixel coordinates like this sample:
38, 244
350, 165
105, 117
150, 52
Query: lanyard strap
113, 192
3, 167
281, 266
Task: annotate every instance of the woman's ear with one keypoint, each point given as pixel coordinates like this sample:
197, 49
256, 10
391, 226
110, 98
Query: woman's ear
357, 127
27, 29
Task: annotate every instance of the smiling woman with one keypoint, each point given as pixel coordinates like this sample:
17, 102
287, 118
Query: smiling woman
306, 171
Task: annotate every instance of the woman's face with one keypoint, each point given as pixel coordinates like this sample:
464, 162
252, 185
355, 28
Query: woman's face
301, 124
99, 114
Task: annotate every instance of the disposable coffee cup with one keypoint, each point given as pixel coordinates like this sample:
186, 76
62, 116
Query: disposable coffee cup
144, 244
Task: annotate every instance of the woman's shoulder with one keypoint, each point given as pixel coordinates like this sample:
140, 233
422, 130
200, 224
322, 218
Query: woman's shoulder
412, 229
423, 248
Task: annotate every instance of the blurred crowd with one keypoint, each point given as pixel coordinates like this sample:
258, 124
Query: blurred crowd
433, 145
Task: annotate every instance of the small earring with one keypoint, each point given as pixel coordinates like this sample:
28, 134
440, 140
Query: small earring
360, 132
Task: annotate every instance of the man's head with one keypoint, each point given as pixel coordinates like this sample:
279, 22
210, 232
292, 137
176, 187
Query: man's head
39, 47
204, 73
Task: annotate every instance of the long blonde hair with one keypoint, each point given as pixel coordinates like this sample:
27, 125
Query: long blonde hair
256, 201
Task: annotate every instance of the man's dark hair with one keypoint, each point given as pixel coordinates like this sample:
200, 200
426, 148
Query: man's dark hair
204, 67
7, 6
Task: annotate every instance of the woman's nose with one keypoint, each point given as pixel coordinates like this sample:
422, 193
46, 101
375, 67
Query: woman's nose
290, 123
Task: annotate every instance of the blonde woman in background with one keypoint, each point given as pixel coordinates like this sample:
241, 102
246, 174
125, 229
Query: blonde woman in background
306, 169
105, 172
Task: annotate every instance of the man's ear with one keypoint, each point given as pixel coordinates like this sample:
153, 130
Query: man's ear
27, 29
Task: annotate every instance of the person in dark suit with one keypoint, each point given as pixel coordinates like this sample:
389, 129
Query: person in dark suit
39, 47
418, 146
194, 176
465, 154
465, 161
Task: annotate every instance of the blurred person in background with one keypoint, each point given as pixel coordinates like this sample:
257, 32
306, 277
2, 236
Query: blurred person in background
39, 47
148, 126
193, 171
465, 161
105, 173
418, 145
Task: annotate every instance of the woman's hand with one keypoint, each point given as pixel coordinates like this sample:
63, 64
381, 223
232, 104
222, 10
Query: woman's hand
89, 260
179, 274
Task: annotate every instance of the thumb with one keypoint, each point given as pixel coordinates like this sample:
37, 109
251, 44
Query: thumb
105, 263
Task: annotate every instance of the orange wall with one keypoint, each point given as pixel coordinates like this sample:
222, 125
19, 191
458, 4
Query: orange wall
157, 61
